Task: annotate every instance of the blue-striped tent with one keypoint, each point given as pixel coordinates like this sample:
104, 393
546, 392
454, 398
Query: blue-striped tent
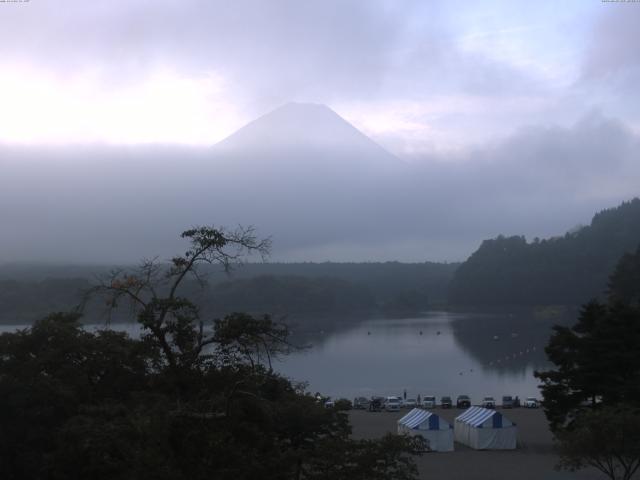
485, 429
436, 431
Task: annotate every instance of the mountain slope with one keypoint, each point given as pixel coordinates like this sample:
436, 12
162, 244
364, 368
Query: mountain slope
304, 137
563, 270
302, 166
302, 125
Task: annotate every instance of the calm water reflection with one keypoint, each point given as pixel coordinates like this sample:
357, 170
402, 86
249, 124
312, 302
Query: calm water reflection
441, 353
473, 354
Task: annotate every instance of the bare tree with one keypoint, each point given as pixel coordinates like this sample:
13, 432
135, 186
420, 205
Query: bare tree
152, 290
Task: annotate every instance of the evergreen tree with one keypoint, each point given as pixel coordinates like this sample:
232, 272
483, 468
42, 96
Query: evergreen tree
592, 397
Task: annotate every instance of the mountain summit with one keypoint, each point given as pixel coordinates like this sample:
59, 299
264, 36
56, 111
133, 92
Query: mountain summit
302, 126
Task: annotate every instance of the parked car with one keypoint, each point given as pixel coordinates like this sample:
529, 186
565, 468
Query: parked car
507, 401
410, 403
591, 401
488, 402
329, 404
531, 402
392, 404
429, 401
446, 402
463, 401
360, 403
375, 405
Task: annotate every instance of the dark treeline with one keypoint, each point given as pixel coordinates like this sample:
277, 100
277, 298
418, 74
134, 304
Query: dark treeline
564, 270
312, 288
386, 281
23, 301
28, 292
284, 295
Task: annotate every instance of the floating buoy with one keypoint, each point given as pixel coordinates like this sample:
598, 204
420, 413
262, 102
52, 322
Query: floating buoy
420, 332
368, 333
438, 332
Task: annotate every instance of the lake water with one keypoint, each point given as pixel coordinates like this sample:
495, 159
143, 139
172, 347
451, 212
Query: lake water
439, 353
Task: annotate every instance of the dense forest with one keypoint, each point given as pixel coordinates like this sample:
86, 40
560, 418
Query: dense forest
28, 292
567, 270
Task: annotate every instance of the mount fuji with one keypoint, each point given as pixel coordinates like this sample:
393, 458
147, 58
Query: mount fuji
304, 137
304, 165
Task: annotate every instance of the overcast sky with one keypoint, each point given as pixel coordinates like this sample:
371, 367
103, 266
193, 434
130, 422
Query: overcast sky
418, 76
468, 91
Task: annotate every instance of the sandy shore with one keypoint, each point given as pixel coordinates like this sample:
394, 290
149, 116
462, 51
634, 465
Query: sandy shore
534, 458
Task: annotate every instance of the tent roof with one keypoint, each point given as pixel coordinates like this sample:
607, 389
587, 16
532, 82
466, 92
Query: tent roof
476, 416
417, 417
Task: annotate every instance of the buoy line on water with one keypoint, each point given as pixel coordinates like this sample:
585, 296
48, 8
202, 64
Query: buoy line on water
513, 356
501, 360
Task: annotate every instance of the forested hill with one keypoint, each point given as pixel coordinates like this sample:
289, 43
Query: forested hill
566, 270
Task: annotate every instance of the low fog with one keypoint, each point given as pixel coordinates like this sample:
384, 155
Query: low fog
317, 186
417, 129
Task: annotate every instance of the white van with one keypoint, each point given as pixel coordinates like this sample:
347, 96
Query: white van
429, 401
392, 404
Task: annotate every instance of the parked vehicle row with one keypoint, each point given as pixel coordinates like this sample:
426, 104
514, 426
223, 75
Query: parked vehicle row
409, 403
395, 403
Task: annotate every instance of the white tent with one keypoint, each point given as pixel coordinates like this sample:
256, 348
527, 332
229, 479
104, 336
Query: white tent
437, 432
485, 429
